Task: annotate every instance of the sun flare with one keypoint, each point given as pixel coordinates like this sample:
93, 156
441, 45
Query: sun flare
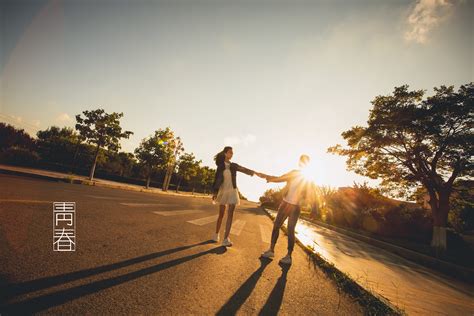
309, 172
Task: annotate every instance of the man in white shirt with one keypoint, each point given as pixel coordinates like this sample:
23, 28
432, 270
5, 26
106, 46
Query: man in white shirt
289, 208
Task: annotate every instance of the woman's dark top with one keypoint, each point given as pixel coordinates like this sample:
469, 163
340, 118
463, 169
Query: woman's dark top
219, 178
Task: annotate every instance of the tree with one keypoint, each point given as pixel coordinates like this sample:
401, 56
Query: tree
206, 177
119, 163
272, 197
412, 142
188, 167
82, 131
177, 147
126, 160
154, 153
462, 215
55, 144
101, 129
10, 136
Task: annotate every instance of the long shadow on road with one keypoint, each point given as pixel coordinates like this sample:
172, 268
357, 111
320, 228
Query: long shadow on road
273, 303
240, 296
11, 290
46, 301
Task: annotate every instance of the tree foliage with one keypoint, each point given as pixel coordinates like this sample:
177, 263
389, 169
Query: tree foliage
101, 129
411, 142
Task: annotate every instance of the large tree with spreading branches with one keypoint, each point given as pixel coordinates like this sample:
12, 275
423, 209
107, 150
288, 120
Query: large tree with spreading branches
412, 141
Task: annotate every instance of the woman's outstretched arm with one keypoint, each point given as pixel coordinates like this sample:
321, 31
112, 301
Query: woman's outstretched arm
245, 170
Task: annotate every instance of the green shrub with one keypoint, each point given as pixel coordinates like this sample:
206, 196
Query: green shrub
19, 156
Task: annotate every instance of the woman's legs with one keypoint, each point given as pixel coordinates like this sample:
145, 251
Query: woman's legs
219, 219
279, 220
230, 215
292, 220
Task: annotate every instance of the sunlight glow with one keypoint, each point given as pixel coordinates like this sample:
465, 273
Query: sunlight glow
309, 172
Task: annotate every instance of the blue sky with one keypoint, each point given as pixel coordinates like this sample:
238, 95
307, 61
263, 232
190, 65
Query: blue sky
273, 79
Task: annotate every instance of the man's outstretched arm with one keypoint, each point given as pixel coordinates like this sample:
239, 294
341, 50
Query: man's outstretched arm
282, 178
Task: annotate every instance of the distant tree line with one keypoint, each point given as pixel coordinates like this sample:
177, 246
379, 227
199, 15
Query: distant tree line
93, 148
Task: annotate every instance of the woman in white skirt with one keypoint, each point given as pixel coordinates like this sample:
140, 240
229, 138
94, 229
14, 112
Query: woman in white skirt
225, 190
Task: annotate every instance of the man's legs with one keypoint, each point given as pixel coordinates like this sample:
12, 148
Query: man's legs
279, 220
292, 220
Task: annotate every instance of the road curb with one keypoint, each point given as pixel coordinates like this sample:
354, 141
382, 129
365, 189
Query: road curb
374, 304
31, 175
445, 267
74, 180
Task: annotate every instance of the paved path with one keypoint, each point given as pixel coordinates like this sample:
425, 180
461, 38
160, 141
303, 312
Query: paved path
416, 289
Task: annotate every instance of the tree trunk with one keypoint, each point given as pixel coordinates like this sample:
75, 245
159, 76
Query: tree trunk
75, 156
169, 175
169, 179
440, 219
148, 177
91, 176
148, 180
165, 180
179, 184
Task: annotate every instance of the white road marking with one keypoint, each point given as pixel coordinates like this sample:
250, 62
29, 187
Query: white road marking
173, 213
265, 233
102, 197
237, 227
204, 220
146, 204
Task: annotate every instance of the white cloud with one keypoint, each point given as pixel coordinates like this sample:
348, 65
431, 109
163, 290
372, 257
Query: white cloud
238, 140
19, 122
425, 16
16, 119
63, 118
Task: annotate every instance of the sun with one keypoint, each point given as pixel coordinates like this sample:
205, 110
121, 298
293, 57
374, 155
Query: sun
309, 172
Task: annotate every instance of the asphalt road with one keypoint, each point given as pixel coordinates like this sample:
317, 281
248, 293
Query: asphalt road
150, 254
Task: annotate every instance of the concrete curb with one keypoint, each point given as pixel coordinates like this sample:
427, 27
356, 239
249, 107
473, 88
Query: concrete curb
391, 308
32, 175
445, 267
73, 179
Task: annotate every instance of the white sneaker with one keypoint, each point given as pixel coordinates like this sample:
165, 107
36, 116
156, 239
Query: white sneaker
286, 260
216, 237
268, 254
227, 242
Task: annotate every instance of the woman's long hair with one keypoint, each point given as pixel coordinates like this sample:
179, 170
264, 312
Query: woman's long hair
219, 158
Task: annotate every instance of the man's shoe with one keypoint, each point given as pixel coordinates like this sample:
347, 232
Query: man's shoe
286, 260
268, 254
227, 242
